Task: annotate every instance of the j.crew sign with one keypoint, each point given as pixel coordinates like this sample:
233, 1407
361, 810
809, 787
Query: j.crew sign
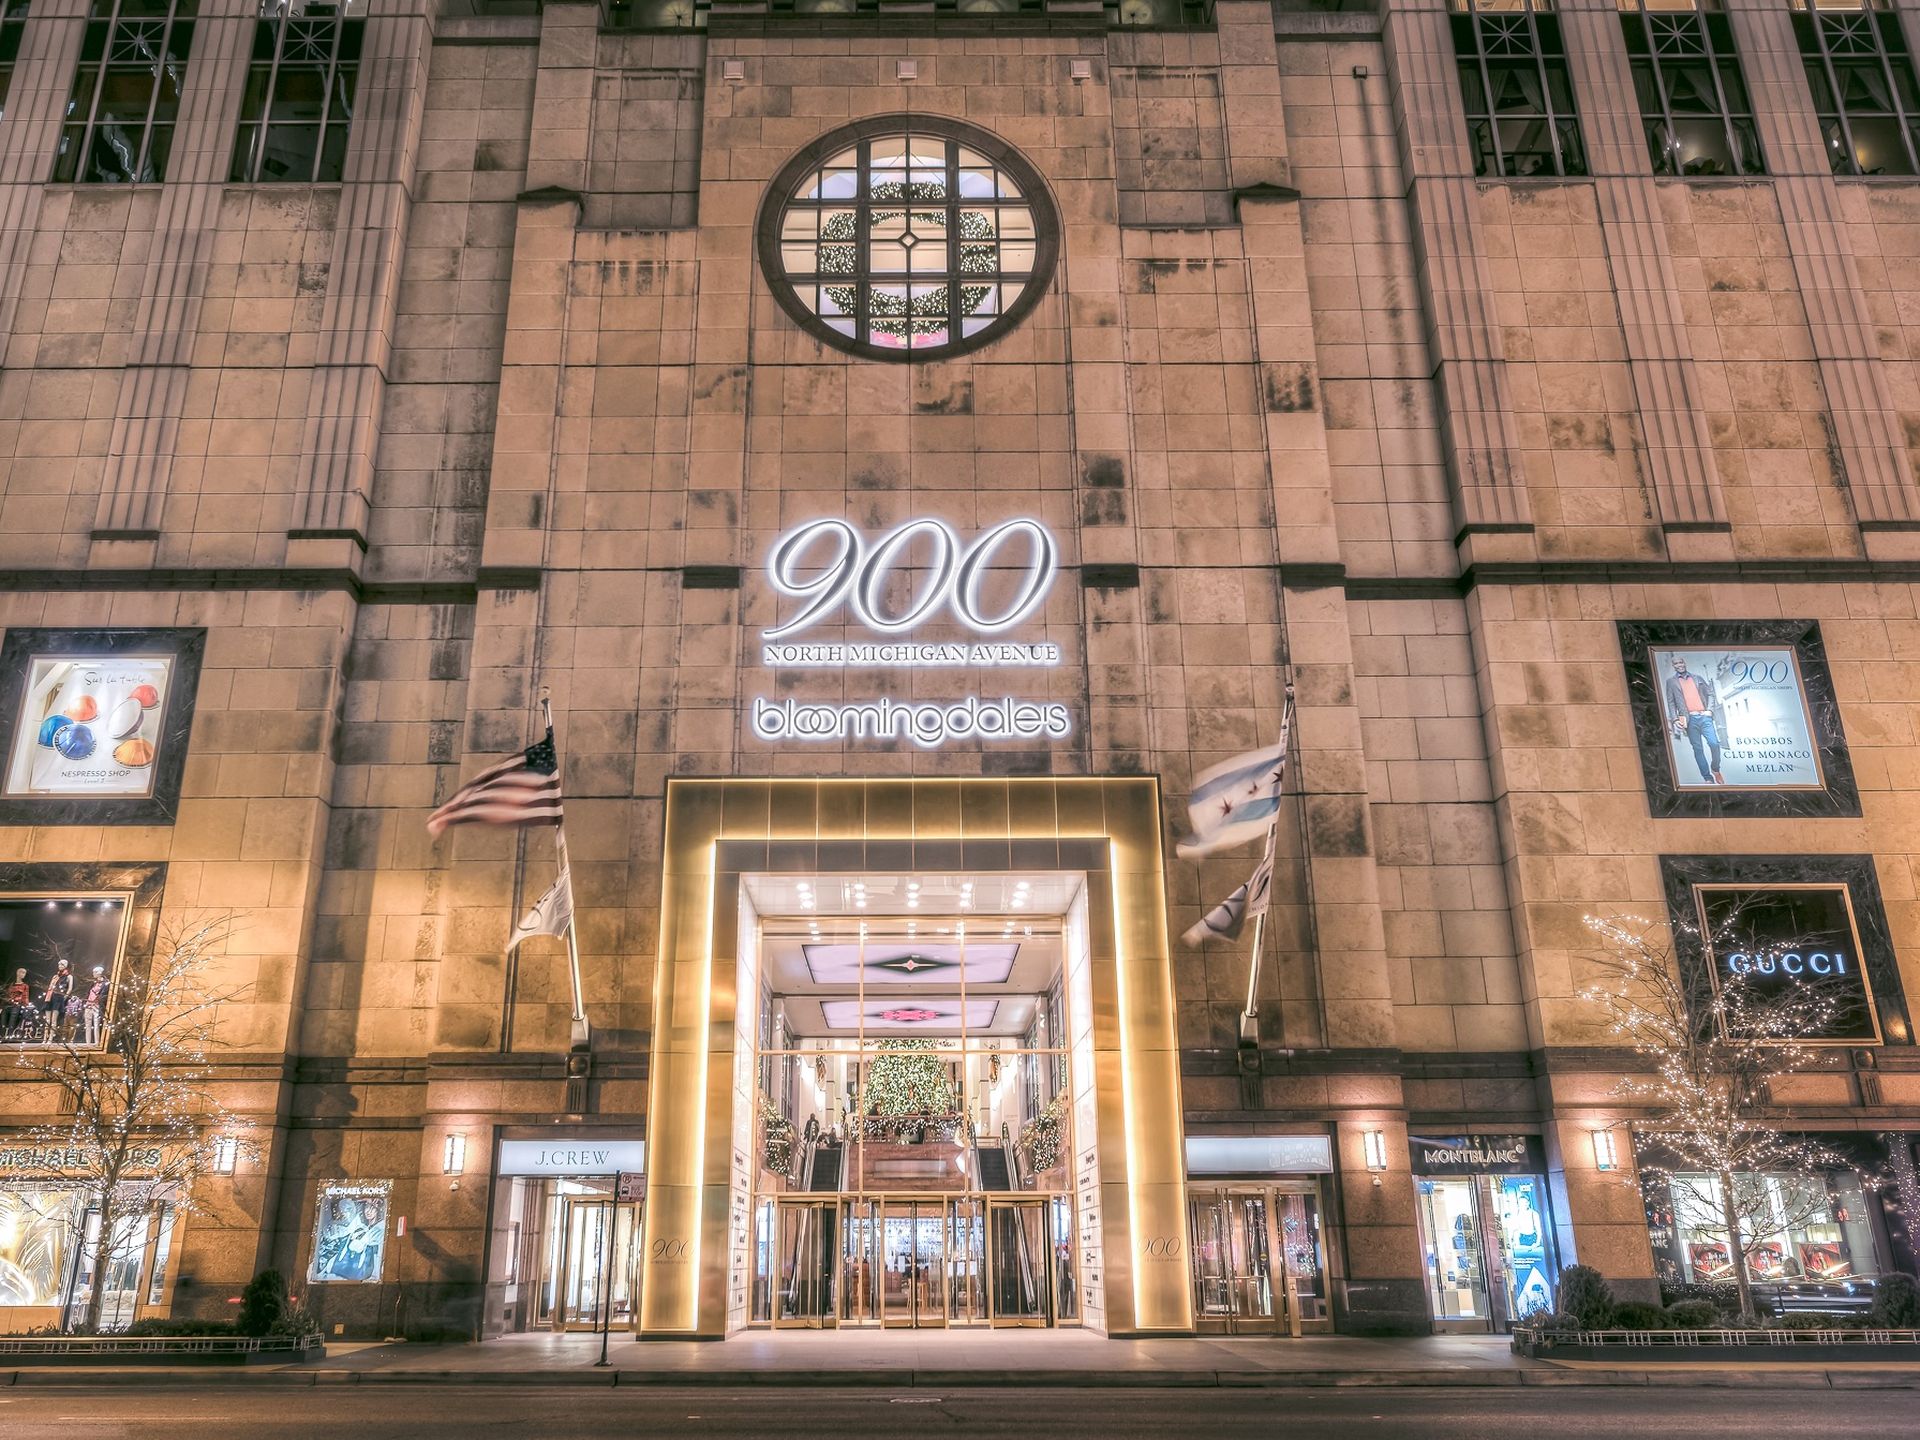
572, 1157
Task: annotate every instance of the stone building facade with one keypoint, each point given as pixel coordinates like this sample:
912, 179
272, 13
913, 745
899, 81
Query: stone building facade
1311, 394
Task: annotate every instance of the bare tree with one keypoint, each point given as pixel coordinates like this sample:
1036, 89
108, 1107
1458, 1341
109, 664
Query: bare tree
145, 1121
1715, 1050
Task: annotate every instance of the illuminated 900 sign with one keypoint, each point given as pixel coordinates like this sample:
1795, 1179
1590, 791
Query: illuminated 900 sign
830, 564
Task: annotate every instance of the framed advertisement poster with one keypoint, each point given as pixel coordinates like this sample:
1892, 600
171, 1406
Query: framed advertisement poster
349, 1233
1737, 719
94, 723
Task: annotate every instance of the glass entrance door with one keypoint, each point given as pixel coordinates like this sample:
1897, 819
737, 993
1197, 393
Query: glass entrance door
1021, 1263
597, 1264
1250, 1244
967, 1261
1455, 1254
807, 1252
914, 1262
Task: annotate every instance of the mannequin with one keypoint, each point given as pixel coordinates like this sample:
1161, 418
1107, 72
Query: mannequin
95, 1006
54, 1002
19, 1007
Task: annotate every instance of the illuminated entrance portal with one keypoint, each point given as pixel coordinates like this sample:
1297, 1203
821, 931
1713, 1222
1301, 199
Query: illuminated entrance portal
914, 1059
921, 1093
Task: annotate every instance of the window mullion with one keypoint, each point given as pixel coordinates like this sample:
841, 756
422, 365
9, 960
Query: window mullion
952, 151
1486, 92
862, 236
1841, 118
153, 95
1719, 89
1546, 92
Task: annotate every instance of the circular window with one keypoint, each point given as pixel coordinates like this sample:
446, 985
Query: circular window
906, 237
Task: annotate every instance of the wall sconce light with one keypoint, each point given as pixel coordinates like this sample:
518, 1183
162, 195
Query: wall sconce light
1374, 1145
454, 1161
1080, 69
906, 69
226, 1154
1606, 1151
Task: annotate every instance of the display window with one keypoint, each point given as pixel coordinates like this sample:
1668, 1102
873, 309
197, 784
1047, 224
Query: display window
94, 724
1815, 1229
1781, 928
1486, 1229
60, 966
49, 1237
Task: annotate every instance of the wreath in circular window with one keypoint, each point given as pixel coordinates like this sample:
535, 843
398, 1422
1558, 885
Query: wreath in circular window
905, 238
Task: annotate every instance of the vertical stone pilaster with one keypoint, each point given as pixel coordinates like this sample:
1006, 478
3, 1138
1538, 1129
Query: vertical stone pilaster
36, 102
355, 343
1666, 387
1489, 484
561, 140
153, 385
1866, 429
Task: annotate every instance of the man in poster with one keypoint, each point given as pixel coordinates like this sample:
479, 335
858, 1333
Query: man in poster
1690, 701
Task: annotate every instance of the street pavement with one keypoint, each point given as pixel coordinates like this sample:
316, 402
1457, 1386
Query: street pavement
967, 1359
466, 1412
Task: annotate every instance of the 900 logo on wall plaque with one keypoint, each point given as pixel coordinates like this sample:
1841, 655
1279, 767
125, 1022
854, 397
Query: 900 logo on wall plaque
850, 574
667, 1249
1161, 1247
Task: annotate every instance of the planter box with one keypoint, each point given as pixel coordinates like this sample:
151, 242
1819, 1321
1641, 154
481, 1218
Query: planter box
1641, 1347
35, 1350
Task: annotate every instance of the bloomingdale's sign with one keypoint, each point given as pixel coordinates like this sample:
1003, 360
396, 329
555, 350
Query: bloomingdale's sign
840, 576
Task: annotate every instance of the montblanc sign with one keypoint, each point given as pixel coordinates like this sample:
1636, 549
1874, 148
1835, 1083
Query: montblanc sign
842, 576
1477, 1155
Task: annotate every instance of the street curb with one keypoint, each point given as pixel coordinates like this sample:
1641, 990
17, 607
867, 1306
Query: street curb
1763, 1378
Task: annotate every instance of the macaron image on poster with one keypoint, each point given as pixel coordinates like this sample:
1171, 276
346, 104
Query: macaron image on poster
90, 726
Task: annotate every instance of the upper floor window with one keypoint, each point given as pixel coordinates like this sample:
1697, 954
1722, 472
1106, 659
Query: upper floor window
126, 94
902, 243
1863, 85
1693, 101
1519, 96
298, 103
13, 21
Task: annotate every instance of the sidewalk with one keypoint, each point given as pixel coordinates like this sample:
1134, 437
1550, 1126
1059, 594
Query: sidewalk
950, 1359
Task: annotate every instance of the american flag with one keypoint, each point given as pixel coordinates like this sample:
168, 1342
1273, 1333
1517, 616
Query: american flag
522, 791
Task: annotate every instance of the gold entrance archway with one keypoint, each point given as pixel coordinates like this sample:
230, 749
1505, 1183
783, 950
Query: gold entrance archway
717, 830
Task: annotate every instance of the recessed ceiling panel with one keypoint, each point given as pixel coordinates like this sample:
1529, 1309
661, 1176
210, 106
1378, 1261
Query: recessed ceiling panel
985, 962
905, 1016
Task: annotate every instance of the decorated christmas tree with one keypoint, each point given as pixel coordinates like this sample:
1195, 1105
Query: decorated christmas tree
909, 1077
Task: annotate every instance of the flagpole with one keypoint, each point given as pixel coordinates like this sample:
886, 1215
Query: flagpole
580, 1030
1250, 1016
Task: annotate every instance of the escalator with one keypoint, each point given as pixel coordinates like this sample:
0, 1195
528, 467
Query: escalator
825, 1164
1021, 1295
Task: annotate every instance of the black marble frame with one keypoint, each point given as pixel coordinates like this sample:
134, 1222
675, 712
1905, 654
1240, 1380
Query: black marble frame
161, 805
145, 882
1839, 797
1680, 873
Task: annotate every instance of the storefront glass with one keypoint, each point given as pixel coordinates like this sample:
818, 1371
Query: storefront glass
1485, 1229
59, 964
915, 1112
1797, 1230
49, 1238
565, 1248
